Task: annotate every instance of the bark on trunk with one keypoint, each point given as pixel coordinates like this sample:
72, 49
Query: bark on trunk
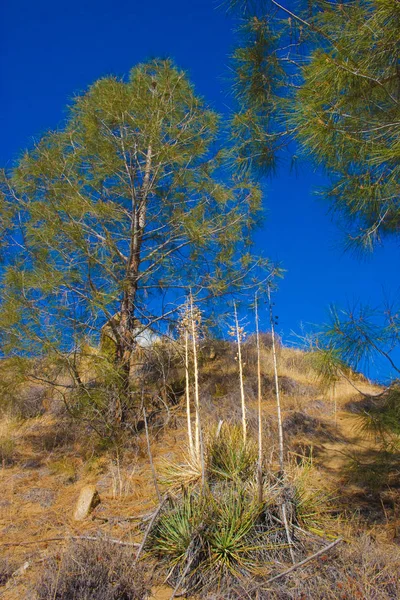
127, 344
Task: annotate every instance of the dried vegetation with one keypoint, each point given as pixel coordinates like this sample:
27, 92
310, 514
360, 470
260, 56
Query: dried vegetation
217, 539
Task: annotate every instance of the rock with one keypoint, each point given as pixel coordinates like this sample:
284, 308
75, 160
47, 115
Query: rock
88, 500
161, 592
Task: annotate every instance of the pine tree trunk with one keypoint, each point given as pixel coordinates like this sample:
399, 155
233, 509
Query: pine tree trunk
127, 344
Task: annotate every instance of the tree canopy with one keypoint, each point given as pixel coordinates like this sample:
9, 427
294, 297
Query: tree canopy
327, 75
113, 218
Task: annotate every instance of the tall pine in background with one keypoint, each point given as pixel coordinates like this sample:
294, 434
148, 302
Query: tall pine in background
326, 75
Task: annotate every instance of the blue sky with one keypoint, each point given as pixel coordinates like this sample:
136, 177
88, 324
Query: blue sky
52, 50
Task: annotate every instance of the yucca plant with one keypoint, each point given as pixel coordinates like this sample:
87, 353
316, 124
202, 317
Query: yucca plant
174, 530
230, 536
185, 474
209, 535
223, 531
229, 457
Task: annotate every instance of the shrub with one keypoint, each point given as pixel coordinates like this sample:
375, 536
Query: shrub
93, 571
224, 532
231, 536
6, 571
7, 450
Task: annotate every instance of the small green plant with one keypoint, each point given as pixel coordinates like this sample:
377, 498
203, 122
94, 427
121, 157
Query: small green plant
65, 468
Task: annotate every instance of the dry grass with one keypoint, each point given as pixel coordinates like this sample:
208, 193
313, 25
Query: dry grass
360, 570
50, 465
183, 473
93, 571
7, 568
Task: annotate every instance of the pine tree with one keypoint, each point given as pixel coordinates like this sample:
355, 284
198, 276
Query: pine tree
108, 221
327, 75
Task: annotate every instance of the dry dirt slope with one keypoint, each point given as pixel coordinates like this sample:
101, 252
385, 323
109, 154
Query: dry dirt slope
47, 462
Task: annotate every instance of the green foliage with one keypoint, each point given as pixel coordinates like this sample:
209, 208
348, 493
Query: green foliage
357, 336
229, 458
215, 533
259, 87
231, 537
174, 531
327, 364
325, 74
117, 213
382, 416
347, 112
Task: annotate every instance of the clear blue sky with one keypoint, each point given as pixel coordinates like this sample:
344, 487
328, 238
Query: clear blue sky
51, 50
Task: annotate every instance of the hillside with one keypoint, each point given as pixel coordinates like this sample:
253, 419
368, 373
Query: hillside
47, 459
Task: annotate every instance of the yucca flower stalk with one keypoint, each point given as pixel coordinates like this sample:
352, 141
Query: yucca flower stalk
194, 317
184, 326
195, 322
259, 398
239, 334
276, 378
279, 414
